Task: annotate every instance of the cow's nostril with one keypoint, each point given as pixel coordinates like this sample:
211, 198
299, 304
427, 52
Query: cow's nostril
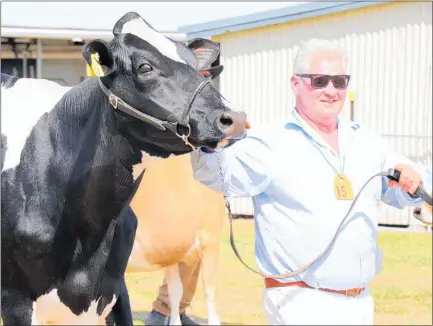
232, 124
226, 120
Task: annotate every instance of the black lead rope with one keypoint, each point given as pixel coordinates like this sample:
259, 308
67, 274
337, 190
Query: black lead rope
391, 174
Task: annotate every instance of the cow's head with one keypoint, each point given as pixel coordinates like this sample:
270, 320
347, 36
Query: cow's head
160, 78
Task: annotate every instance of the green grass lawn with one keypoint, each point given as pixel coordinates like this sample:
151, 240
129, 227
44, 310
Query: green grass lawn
402, 292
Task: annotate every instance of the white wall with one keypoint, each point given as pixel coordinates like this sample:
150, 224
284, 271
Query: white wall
67, 70
390, 50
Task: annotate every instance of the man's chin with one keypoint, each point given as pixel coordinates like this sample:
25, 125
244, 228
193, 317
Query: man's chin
331, 108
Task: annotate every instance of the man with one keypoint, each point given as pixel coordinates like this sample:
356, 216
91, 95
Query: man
302, 175
160, 314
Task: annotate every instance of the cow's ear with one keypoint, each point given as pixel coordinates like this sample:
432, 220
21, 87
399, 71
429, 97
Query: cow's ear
98, 57
205, 50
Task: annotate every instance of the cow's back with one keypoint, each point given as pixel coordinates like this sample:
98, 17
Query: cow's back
23, 102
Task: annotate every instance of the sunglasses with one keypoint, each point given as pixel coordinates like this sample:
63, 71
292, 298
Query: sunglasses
321, 81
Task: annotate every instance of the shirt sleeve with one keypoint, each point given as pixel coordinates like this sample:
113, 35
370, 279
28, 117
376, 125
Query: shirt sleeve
397, 197
246, 166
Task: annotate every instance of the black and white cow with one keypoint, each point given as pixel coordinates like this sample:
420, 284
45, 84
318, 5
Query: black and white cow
65, 182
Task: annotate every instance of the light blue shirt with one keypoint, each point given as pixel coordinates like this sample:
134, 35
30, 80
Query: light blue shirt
295, 209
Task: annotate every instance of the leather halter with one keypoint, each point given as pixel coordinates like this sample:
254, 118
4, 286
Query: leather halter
162, 125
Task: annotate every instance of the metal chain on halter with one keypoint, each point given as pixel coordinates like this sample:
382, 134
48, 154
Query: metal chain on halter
224, 190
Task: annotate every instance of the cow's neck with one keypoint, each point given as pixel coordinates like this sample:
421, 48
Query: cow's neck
98, 159
92, 164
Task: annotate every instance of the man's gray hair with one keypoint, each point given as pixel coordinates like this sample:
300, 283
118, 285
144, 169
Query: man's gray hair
301, 63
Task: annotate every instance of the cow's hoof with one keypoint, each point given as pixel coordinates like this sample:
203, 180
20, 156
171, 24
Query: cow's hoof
185, 320
156, 318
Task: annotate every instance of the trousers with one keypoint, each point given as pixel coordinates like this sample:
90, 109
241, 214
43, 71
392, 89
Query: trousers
189, 276
304, 306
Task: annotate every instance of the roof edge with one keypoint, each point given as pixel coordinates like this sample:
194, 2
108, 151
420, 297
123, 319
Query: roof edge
275, 16
69, 33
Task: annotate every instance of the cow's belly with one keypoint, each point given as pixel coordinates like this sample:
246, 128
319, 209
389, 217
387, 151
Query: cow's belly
49, 310
150, 258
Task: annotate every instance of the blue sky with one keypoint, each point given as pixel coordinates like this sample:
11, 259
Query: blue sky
164, 16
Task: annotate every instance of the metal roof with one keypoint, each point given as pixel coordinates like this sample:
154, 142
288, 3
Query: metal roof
70, 33
272, 17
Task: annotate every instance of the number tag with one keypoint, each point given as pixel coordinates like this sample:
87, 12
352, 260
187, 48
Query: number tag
342, 188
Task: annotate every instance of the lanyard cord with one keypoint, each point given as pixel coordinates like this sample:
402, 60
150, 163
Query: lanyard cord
312, 141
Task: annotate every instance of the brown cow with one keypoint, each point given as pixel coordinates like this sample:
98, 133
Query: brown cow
178, 220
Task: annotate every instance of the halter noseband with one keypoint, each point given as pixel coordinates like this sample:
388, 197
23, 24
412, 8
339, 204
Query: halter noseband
119, 104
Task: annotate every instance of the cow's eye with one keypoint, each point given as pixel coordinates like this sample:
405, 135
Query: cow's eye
145, 67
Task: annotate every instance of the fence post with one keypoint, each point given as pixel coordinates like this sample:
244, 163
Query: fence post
352, 99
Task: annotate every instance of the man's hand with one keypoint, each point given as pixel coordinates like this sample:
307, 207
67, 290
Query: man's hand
409, 179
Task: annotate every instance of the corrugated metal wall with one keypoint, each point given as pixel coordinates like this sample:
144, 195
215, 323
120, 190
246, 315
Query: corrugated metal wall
64, 71
390, 53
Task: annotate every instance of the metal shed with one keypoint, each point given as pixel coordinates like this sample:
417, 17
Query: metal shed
390, 51
52, 53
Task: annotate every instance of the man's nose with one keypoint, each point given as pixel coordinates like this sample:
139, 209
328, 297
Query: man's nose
233, 124
330, 89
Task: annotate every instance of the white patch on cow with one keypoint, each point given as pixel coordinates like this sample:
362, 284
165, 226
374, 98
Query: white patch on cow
139, 28
195, 246
213, 318
175, 292
21, 107
49, 310
146, 160
34, 319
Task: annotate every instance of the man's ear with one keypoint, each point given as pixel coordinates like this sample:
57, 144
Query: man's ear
205, 50
295, 83
98, 57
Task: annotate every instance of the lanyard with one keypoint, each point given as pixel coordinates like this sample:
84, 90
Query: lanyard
312, 141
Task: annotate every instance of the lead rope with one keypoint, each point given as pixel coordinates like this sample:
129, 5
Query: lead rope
302, 269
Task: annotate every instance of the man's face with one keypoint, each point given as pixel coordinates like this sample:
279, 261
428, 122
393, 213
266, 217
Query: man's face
321, 101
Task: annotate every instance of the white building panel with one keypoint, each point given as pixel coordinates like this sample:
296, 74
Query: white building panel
390, 53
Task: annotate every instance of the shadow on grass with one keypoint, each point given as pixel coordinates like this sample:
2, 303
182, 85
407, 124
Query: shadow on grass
140, 317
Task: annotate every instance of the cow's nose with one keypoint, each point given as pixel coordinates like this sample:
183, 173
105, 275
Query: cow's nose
233, 124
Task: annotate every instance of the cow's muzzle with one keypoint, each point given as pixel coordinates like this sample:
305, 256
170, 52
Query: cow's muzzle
233, 124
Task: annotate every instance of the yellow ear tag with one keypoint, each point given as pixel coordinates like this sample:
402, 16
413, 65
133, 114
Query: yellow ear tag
96, 66
90, 71
342, 188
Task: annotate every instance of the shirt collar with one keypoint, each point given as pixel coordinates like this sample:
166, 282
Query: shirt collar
346, 130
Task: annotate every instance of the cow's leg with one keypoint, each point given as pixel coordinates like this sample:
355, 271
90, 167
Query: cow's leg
209, 277
121, 315
17, 308
175, 292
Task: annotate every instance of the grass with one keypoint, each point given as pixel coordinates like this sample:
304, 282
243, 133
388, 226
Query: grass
402, 291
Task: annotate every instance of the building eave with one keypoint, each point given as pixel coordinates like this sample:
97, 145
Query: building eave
272, 17
69, 33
